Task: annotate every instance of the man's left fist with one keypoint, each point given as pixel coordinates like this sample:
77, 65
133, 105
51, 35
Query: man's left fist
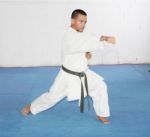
111, 39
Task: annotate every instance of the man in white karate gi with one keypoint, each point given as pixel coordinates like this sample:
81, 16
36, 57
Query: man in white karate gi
75, 80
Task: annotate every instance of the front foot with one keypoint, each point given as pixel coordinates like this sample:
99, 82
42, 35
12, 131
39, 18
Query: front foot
103, 119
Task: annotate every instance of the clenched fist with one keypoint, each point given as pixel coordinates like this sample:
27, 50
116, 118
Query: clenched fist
109, 39
88, 55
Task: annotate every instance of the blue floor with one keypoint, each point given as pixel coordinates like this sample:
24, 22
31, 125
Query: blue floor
129, 98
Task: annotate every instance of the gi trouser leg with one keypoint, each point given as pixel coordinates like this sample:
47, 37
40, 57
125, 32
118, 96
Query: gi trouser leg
56, 93
98, 93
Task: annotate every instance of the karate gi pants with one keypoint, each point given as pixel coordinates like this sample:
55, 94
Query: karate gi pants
58, 90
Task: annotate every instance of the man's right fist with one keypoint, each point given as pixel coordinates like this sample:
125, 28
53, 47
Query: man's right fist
88, 55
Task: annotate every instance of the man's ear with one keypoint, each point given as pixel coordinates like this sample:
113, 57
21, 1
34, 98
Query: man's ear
72, 21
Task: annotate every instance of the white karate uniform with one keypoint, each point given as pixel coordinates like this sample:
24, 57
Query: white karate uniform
74, 46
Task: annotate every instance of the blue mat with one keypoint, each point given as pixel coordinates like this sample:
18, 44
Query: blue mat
129, 98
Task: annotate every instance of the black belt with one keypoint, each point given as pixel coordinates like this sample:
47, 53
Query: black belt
80, 75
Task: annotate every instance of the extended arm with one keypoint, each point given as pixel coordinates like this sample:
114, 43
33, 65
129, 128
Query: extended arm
81, 42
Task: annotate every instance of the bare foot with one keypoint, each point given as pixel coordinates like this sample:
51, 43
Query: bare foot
103, 119
26, 110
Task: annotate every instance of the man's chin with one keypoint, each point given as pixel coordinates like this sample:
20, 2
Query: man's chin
81, 30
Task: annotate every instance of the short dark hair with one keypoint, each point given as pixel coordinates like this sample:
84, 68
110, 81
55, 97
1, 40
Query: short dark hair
76, 12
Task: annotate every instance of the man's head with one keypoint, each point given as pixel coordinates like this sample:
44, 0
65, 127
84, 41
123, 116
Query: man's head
78, 20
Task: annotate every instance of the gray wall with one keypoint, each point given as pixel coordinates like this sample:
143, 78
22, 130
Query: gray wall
31, 31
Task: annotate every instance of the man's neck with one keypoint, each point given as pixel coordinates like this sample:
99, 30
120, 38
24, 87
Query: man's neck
73, 28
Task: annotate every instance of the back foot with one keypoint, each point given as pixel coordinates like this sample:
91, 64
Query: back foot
26, 110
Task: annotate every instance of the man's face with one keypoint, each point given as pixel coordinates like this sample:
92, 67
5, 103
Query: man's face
79, 22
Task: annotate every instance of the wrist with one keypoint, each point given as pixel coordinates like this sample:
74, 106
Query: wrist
103, 38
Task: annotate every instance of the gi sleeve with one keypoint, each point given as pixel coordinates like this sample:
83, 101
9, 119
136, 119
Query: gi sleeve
82, 42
